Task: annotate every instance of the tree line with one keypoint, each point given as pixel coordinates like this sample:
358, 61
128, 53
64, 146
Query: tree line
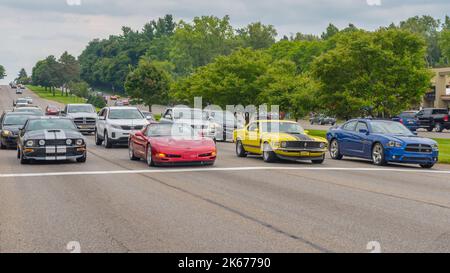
345, 72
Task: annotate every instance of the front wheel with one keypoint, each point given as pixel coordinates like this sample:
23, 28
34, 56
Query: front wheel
378, 155
430, 129
319, 161
335, 152
2, 146
240, 151
268, 154
82, 159
98, 141
427, 166
150, 161
438, 127
107, 140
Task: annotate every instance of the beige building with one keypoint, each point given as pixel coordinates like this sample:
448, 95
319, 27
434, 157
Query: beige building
439, 95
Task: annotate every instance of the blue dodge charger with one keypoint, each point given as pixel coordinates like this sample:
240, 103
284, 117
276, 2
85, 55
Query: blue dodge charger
381, 141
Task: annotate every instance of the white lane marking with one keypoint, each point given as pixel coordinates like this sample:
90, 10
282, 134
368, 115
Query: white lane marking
190, 170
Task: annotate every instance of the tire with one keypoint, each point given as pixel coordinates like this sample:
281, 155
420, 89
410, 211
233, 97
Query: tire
378, 155
2, 146
107, 141
319, 161
82, 159
438, 127
427, 166
240, 151
430, 129
312, 122
335, 151
131, 153
98, 141
269, 156
149, 157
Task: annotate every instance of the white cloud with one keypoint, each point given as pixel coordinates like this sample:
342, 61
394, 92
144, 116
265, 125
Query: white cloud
73, 2
374, 2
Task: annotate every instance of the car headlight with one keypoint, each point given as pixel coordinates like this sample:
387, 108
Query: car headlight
6, 133
322, 145
283, 144
275, 144
69, 142
29, 143
79, 142
42, 142
116, 126
435, 147
395, 144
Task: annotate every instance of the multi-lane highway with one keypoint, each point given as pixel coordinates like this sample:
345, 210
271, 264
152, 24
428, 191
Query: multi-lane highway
112, 204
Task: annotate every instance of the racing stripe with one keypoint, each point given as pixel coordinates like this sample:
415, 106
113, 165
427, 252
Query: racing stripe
301, 137
60, 134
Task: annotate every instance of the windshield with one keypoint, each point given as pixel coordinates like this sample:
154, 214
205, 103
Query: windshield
81, 109
50, 124
282, 127
125, 114
189, 114
15, 120
35, 111
22, 101
170, 130
388, 127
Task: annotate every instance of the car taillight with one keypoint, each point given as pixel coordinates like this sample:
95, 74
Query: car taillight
401, 121
446, 118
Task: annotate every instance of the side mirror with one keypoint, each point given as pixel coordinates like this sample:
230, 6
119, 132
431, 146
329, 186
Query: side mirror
168, 116
363, 131
101, 118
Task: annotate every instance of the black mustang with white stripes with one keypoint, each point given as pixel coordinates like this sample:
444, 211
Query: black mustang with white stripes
50, 139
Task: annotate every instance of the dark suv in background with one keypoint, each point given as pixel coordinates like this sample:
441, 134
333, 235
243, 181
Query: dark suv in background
434, 118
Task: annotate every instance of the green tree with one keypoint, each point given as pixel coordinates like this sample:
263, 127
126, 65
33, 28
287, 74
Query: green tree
384, 71
2, 72
47, 73
444, 42
70, 70
257, 35
148, 83
22, 77
330, 32
79, 88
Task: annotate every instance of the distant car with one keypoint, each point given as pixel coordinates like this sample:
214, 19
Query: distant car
196, 118
21, 86
10, 124
13, 85
51, 138
21, 102
113, 97
119, 103
279, 139
19, 91
126, 102
52, 110
409, 119
83, 115
171, 144
322, 120
115, 124
382, 141
224, 123
148, 116
36, 111
30, 100
434, 118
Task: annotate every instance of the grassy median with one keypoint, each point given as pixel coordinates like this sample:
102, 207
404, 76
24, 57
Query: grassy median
58, 97
444, 145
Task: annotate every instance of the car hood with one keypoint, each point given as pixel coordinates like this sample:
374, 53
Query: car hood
291, 137
81, 115
128, 122
48, 134
182, 142
411, 139
13, 128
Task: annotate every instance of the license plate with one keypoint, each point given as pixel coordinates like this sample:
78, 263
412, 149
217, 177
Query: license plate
304, 153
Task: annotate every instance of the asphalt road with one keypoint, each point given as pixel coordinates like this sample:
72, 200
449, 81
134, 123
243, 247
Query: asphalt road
111, 204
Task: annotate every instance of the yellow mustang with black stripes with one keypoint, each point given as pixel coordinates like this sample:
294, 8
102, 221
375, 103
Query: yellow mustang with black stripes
279, 139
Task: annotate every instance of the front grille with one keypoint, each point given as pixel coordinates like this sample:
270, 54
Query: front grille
55, 142
128, 128
416, 159
84, 121
302, 145
419, 148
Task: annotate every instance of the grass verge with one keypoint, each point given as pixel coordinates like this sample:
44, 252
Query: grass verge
58, 97
444, 145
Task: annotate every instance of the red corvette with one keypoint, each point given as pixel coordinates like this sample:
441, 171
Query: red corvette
171, 144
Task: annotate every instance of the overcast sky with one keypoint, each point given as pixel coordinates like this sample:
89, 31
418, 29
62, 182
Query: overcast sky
33, 29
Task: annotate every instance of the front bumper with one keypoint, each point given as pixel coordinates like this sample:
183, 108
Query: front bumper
300, 154
399, 155
52, 153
